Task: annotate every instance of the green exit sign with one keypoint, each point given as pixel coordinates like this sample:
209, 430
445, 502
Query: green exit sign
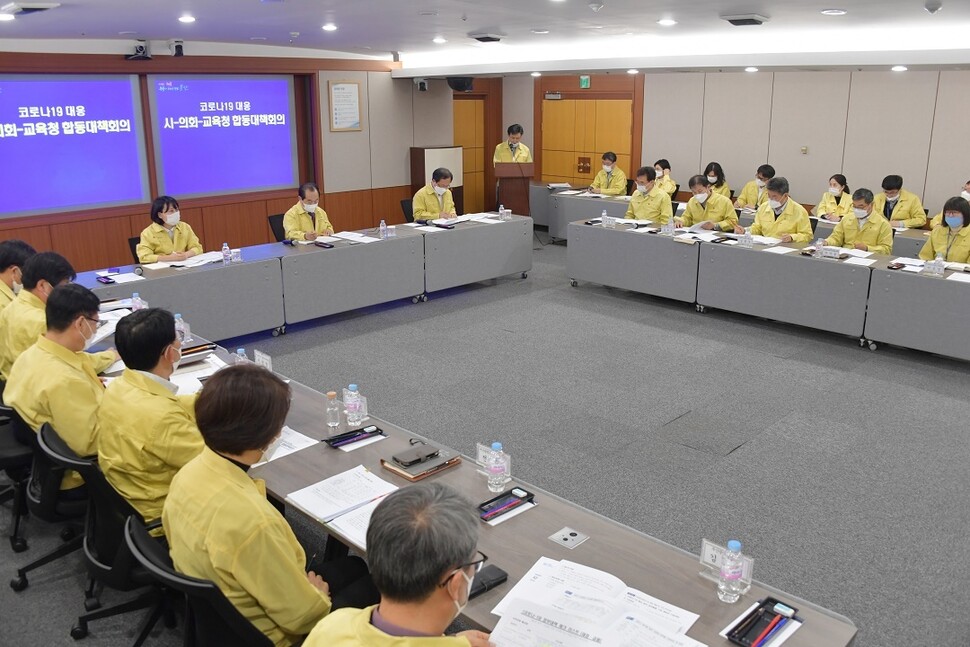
584, 82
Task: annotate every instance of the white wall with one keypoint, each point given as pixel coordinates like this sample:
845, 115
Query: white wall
518, 106
434, 115
675, 103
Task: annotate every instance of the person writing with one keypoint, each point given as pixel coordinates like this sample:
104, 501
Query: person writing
513, 150
649, 202
753, 194
900, 207
434, 200
664, 181
780, 217
952, 238
167, 238
13, 255
610, 180
837, 202
715, 175
306, 220
864, 229
712, 209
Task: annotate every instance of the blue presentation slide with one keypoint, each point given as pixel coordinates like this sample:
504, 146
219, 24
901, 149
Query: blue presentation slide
70, 143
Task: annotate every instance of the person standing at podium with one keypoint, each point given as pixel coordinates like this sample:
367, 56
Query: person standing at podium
434, 200
513, 150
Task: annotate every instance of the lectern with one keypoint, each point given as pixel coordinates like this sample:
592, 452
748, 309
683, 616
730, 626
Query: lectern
513, 185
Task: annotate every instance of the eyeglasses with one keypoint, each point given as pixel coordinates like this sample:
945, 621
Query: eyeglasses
477, 563
95, 321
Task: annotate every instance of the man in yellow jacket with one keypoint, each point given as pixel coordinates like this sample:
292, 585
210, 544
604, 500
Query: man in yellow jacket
865, 229
753, 194
221, 528
708, 207
610, 180
434, 200
649, 202
55, 381
780, 217
147, 431
13, 255
306, 220
421, 548
513, 150
899, 206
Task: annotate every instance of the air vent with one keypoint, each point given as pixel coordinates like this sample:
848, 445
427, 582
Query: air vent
486, 38
24, 8
745, 20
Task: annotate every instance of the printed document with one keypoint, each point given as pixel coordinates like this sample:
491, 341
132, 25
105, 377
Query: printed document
340, 494
290, 441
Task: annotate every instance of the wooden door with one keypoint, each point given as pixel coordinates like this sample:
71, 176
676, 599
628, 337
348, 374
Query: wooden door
576, 133
470, 135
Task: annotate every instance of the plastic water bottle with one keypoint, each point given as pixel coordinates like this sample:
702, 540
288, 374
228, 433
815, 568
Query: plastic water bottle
226, 254
182, 329
819, 244
383, 230
606, 220
352, 406
747, 239
333, 410
240, 356
137, 303
501, 212
497, 468
939, 265
729, 583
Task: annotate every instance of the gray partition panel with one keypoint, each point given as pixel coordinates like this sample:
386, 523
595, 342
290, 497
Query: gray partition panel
909, 243
823, 294
569, 208
539, 196
473, 252
640, 262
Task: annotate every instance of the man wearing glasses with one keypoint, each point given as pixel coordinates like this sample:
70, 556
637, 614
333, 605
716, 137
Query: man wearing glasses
55, 381
421, 552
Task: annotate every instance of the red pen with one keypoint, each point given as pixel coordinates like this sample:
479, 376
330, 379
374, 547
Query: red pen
757, 641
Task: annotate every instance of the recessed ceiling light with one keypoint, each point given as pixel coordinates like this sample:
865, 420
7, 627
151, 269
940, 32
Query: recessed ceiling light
439, 40
751, 69
257, 38
596, 26
537, 74
6, 17
427, 13
899, 68
834, 12
540, 31
666, 22
330, 27
632, 71
558, 0
120, 33
186, 18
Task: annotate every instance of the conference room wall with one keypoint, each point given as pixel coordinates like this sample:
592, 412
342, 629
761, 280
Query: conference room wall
518, 100
949, 163
673, 109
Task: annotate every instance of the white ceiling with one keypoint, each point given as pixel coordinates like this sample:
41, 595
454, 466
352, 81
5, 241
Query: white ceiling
623, 30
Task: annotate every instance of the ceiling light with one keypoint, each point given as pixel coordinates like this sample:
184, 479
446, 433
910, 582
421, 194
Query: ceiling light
751, 69
899, 68
596, 26
6, 17
537, 74
834, 12
438, 40
540, 31
666, 22
632, 71
330, 27
186, 18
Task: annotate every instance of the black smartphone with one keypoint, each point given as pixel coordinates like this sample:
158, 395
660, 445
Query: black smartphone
320, 243
487, 579
415, 455
105, 279
896, 266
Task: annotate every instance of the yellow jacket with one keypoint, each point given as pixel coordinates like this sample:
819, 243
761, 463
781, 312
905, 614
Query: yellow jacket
842, 208
750, 197
353, 628
935, 222
50, 383
724, 189
615, 185
6, 295
147, 434
427, 207
220, 527
297, 222
654, 206
956, 248
909, 209
793, 221
717, 209
155, 242
876, 233
504, 154
667, 185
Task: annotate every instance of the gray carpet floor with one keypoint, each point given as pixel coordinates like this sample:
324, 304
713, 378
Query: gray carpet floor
843, 471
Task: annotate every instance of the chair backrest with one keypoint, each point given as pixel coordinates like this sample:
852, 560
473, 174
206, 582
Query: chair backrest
213, 620
676, 191
133, 246
52, 457
407, 206
276, 224
630, 185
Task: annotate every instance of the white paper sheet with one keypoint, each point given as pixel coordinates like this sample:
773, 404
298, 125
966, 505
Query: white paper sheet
353, 525
446, 221
859, 261
411, 224
349, 235
199, 259
858, 253
570, 192
633, 221
963, 278
918, 262
187, 385
158, 265
915, 269
780, 250
431, 229
486, 220
340, 494
290, 441
128, 277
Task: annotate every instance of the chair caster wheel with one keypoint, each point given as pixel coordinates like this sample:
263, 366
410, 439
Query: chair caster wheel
573, 282
19, 583
67, 534
424, 298
701, 309
415, 299
873, 345
90, 604
276, 332
79, 631
525, 275
862, 342
18, 544
282, 330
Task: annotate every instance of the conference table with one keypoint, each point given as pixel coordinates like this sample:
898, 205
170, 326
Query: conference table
643, 562
563, 208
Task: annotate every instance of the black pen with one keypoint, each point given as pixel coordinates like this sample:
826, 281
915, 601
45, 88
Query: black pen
358, 437
750, 622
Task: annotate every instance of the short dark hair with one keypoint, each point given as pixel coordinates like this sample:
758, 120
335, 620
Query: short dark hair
863, 194
611, 156
47, 266
716, 169
767, 170
957, 203
698, 180
647, 171
14, 253
160, 204
515, 129
142, 336
241, 408
662, 163
441, 174
778, 185
838, 177
892, 183
307, 186
68, 302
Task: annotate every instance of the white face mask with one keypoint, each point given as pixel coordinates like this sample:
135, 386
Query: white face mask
660, 173
835, 191
310, 208
774, 204
965, 195
175, 364
892, 199
712, 179
761, 183
860, 214
459, 605
440, 190
607, 168
701, 198
89, 341
172, 219
17, 287
513, 145
642, 188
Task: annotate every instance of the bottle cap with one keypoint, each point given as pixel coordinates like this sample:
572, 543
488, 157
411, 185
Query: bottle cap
240, 351
734, 546
178, 316
496, 447
352, 387
331, 395
134, 295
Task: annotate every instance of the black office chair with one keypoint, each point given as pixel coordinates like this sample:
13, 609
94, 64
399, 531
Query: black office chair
407, 206
15, 461
45, 501
210, 618
676, 191
133, 245
630, 186
276, 224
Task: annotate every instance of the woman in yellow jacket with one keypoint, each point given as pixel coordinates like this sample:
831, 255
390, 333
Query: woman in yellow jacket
938, 218
836, 203
781, 217
664, 182
715, 175
167, 238
952, 238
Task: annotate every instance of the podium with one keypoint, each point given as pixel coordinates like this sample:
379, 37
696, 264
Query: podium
513, 186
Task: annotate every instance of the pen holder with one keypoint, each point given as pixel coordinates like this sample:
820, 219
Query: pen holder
756, 623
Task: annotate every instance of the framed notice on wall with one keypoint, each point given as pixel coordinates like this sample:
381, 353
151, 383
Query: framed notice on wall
344, 106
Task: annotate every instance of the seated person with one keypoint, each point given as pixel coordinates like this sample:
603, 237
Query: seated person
753, 195
421, 550
513, 150
434, 201
306, 220
147, 431
865, 229
900, 207
55, 381
934, 223
221, 528
780, 217
712, 209
167, 238
649, 202
610, 180
715, 176
25, 319
13, 255
664, 181
836, 203
952, 238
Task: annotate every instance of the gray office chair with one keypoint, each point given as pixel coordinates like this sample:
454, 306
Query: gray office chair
276, 224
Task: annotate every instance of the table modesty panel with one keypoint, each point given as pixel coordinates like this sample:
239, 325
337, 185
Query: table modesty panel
822, 294
320, 282
565, 209
473, 252
539, 197
909, 243
920, 312
639, 262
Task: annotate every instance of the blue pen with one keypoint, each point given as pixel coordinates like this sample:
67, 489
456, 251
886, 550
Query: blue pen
781, 623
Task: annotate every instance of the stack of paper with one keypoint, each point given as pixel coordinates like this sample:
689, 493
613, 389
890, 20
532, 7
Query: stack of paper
290, 441
558, 185
356, 237
108, 322
340, 494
